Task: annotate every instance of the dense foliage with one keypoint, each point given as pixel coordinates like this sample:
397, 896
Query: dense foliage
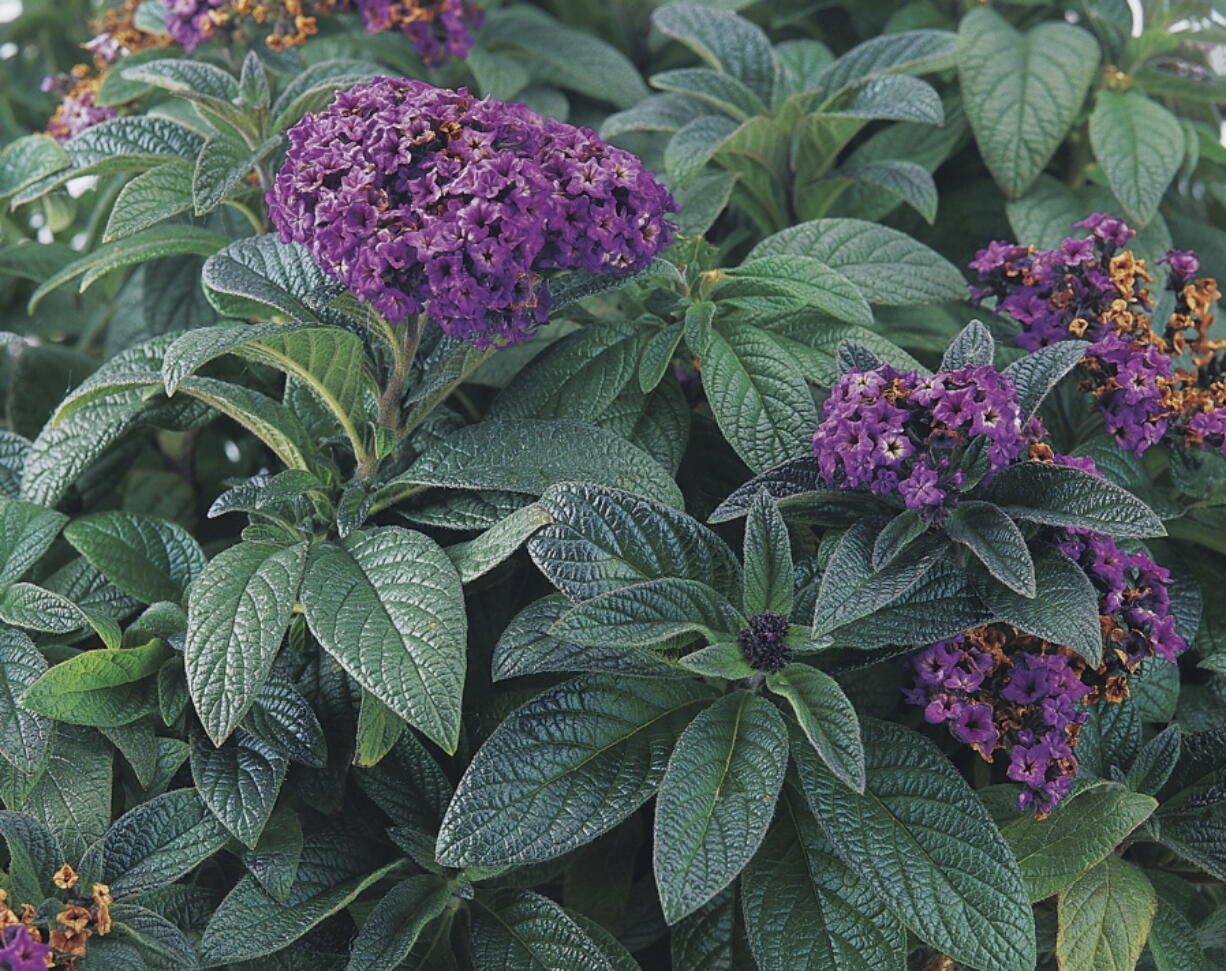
597, 484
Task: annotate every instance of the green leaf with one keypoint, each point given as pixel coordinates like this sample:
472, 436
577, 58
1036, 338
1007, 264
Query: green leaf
723, 40
313, 87
656, 112
1063, 609
1021, 92
1104, 918
923, 841
769, 576
71, 795
79, 690
971, 347
397, 921
283, 718
147, 558
909, 181
33, 856
222, 167
478, 556
906, 52
154, 844
214, 92
717, 799
26, 160
237, 615
565, 768
149, 244
851, 589
387, 604
720, 91
151, 197
1139, 145
24, 734
250, 923
1156, 760
26, 532
760, 400
275, 858
602, 539
252, 276
1037, 373
789, 281
889, 267
658, 354
894, 538
726, 660
239, 782
32, 607
890, 97
131, 142
154, 933
1173, 941
645, 614
378, 731
529, 455
327, 361
523, 930
1058, 495
826, 717
1053, 852
997, 542
805, 910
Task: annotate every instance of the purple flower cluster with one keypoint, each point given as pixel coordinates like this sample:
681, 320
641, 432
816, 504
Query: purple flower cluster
190, 22
994, 687
763, 642
438, 28
20, 951
895, 432
426, 199
1089, 287
77, 109
1134, 597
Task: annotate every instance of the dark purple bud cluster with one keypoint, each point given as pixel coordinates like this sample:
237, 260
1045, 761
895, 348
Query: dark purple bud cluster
763, 642
426, 199
1091, 288
896, 432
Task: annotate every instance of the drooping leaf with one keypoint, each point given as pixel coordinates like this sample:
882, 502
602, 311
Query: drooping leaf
826, 717
239, 782
101, 687
994, 538
1139, 145
725, 41
521, 929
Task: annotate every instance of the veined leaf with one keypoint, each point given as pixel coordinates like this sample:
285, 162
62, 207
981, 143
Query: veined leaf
252, 276
1038, 373
826, 718
645, 614
151, 197
1139, 145
769, 574
26, 531
1104, 918
221, 167
521, 929
565, 768
24, 734
994, 538
726, 42
147, 558
717, 799
82, 690
239, 782
386, 603
906, 52
397, 920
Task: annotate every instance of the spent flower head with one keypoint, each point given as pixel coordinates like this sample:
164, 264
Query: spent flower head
426, 199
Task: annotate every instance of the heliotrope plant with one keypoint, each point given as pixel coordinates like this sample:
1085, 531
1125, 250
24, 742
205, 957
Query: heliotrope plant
471, 542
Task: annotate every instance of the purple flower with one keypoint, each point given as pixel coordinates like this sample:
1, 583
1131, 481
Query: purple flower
426, 199
77, 109
1184, 265
21, 952
973, 725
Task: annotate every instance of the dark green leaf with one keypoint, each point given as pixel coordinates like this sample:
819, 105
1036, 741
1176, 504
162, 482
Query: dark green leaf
1105, 917
995, 539
239, 782
826, 718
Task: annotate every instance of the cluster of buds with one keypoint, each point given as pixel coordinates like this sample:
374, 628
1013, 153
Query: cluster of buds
1150, 383
83, 916
899, 433
997, 688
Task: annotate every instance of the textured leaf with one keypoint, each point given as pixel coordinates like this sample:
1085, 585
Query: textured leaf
523, 930
852, 589
717, 799
972, 347
23, 734
805, 910
250, 923
1156, 761
26, 160
34, 608
720, 91
274, 859
1104, 918
1022, 91
33, 855
478, 556
157, 842
1139, 145
801, 280
132, 142
909, 181
645, 614
995, 539
154, 933
760, 400
1058, 495
26, 531
899, 533
386, 603
1063, 610
150, 198
223, 166
602, 539
397, 920
826, 718
529, 455
769, 574
147, 558
922, 839
1053, 852
891, 97
98, 687
565, 768
259, 274
239, 783
72, 793
723, 40
1173, 941
313, 87
908, 52
237, 615
888, 266
285, 720
1037, 373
